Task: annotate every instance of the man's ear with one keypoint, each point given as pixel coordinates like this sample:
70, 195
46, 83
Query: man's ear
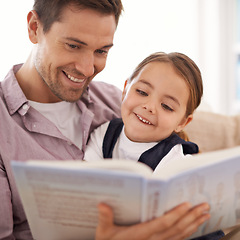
125, 89
33, 24
184, 123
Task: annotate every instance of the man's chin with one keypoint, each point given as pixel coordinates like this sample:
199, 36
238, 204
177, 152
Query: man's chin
70, 98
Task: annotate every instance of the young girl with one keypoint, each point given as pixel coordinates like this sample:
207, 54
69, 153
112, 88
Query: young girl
158, 101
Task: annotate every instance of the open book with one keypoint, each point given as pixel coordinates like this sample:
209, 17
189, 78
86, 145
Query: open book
60, 197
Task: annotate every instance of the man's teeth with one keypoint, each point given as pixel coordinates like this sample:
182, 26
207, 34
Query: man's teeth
75, 79
143, 120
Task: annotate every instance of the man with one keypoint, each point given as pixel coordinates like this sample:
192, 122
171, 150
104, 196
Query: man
49, 106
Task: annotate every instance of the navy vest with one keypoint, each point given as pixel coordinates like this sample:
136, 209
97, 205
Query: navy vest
152, 156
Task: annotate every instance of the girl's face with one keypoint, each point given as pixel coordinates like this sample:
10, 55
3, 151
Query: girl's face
154, 103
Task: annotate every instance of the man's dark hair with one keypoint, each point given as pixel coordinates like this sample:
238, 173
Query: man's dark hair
49, 11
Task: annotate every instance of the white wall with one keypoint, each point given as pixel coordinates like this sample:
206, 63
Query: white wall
188, 26
217, 30
15, 46
209, 54
150, 26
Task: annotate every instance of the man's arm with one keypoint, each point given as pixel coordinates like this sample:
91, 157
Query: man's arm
177, 224
6, 215
13, 222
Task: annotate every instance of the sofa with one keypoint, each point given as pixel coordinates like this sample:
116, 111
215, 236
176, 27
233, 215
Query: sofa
213, 131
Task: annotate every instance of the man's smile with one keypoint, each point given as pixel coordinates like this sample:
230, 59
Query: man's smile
77, 80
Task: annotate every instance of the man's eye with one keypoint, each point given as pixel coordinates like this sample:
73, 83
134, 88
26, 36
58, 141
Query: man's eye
102, 52
72, 46
141, 92
166, 107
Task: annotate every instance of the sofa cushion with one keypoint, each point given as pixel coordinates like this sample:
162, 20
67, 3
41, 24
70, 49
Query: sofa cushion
212, 131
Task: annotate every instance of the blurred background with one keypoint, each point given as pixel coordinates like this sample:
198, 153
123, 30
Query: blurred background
206, 31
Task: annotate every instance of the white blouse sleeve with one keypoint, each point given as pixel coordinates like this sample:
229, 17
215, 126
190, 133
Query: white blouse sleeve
176, 154
93, 150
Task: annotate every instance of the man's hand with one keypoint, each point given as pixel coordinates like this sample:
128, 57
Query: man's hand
176, 224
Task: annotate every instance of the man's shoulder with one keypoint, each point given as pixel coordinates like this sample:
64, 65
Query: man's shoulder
1, 92
2, 99
105, 102
102, 87
105, 93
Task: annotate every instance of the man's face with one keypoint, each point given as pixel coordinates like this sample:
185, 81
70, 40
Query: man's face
71, 53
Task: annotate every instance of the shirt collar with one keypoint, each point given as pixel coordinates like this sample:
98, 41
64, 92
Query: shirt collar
86, 95
12, 92
15, 97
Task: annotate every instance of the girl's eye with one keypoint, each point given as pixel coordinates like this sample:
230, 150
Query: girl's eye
166, 107
141, 92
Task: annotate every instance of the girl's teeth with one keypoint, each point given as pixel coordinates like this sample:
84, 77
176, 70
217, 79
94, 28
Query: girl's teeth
143, 120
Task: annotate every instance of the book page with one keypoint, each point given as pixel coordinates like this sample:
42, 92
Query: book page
212, 177
105, 164
153, 199
62, 204
216, 184
196, 161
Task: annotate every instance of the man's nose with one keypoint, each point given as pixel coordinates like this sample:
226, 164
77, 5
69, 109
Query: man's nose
85, 64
